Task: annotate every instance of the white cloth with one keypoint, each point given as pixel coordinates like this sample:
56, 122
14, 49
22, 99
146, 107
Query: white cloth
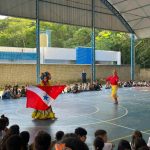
148, 143
107, 146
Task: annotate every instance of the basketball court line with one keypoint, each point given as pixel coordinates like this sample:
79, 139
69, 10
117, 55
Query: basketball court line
93, 123
141, 97
123, 137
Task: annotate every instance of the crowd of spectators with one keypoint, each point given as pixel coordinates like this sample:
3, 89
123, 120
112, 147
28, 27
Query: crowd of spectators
12, 139
82, 87
14, 92
97, 86
141, 83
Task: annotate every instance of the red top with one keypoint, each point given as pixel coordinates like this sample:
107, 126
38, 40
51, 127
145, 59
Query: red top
113, 79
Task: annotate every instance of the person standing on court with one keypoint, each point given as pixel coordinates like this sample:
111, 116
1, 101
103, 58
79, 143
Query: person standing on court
113, 79
84, 76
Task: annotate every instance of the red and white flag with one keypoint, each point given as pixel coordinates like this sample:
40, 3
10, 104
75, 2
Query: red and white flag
41, 97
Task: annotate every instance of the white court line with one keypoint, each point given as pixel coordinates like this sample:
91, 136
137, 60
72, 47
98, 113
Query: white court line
126, 112
120, 138
137, 101
102, 121
97, 110
116, 139
99, 121
87, 114
125, 127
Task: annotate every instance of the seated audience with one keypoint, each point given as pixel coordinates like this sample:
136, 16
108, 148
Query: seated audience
72, 143
103, 134
2, 128
13, 130
144, 148
136, 134
98, 143
75, 88
6, 93
25, 136
140, 143
108, 85
58, 138
23, 92
14, 142
124, 145
6, 124
148, 143
91, 87
42, 141
97, 86
60, 145
15, 92
81, 133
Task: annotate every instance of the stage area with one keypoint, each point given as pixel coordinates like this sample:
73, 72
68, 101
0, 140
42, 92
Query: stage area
90, 110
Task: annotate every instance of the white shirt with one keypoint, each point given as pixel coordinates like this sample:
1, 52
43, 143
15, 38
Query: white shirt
107, 146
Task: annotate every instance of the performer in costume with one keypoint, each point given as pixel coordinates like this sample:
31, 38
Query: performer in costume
114, 85
44, 114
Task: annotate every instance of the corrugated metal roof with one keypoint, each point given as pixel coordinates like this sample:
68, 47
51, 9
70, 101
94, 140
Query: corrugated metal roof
79, 12
136, 13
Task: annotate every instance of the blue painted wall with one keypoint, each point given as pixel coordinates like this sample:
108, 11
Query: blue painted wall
83, 55
17, 56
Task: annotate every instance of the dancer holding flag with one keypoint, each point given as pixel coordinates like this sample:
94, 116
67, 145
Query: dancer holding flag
114, 85
41, 97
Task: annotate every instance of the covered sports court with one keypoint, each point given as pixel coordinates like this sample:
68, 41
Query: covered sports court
90, 110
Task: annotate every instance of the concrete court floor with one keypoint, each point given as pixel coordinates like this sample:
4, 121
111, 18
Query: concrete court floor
90, 110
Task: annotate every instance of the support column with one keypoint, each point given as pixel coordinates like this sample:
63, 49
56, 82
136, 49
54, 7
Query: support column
37, 43
93, 70
132, 51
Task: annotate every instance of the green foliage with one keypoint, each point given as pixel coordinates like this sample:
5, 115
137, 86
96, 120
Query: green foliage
81, 37
116, 41
142, 53
17, 32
